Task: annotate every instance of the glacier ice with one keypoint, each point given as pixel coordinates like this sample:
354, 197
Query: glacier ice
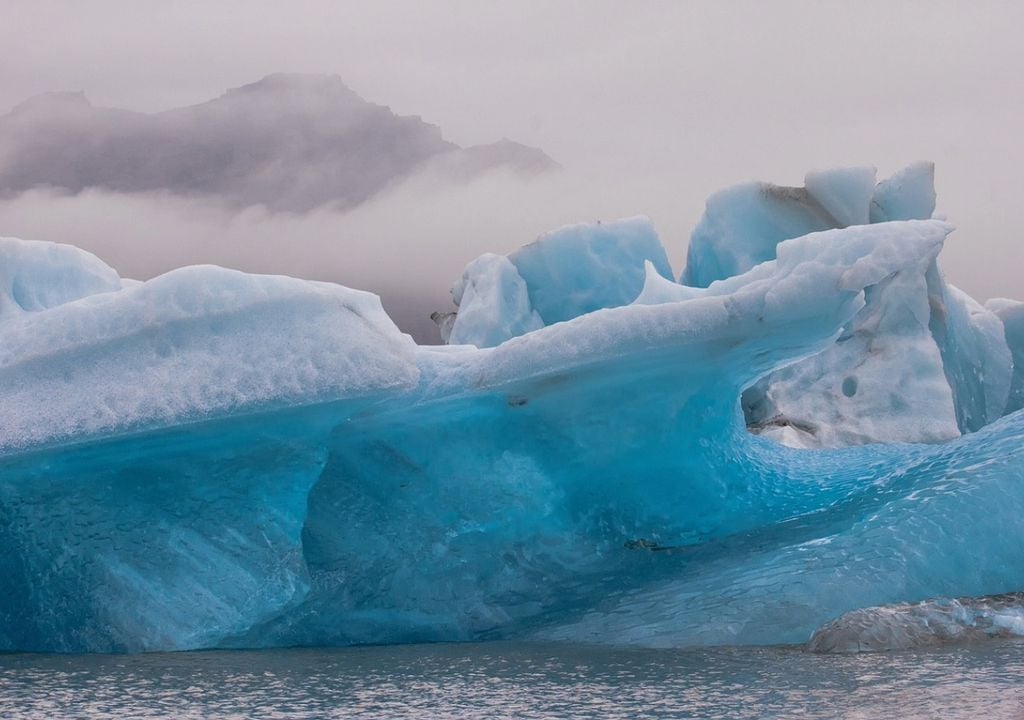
908, 195
494, 304
214, 459
882, 378
582, 268
194, 343
564, 274
844, 193
1011, 313
37, 276
742, 225
922, 362
976, 357
937, 621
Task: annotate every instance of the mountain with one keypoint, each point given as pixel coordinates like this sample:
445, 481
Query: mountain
289, 142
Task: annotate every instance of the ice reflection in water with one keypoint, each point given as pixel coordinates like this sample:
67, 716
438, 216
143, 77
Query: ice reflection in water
518, 680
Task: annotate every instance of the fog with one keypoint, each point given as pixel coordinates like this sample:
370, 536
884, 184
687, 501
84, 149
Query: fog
287, 142
408, 244
648, 106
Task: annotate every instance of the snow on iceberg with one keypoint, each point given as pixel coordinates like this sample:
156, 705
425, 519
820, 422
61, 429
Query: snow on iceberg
194, 344
40, 275
922, 362
213, 459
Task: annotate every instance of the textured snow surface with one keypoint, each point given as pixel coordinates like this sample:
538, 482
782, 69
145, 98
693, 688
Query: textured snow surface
195, 343
214, 459
882, 379
922, 362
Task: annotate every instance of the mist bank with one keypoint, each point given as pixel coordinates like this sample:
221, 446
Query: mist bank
408, 245
289, 142
412, 241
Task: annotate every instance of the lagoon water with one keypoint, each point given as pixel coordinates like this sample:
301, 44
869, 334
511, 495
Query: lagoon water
521, 680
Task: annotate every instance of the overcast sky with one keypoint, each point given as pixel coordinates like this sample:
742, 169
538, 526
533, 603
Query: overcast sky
649, 106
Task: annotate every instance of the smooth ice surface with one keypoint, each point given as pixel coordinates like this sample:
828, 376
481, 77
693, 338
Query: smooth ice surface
563, 274
845, 193
657, 289
742, 225
40, 275
582, 268
494, 304
213, 459
1011, 313
975, 354
908, 195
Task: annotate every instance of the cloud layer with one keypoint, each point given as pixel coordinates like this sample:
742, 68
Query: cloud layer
287, 142
407, 244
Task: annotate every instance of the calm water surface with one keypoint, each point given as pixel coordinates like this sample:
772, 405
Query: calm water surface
518, 680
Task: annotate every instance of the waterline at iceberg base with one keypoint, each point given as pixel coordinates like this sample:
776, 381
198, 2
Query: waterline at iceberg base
816, 424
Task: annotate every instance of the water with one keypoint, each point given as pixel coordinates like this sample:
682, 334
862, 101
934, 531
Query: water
519, 680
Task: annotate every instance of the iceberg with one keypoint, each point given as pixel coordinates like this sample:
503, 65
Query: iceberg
211, 459
494, 304
1011, 313
922, 362
908, 195
742, 225
37, 276
882, 379
196, 343
937, 621
582, 268
564, 274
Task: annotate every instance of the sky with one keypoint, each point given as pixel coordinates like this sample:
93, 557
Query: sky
649, 106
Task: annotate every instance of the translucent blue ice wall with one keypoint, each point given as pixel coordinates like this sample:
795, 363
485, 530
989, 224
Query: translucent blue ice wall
284, 468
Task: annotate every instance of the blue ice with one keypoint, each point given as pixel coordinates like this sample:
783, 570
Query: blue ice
215, 459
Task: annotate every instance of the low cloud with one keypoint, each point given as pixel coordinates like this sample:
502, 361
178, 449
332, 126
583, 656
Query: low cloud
410, 242
407, 245
288, 142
